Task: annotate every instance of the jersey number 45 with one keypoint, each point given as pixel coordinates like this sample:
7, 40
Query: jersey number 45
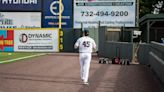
86, 44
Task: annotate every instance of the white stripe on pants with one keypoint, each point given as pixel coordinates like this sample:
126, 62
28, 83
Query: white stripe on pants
85, 59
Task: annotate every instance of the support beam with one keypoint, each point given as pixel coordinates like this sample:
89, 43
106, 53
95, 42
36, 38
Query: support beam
137, 13
148, 31
153, 22
60, 14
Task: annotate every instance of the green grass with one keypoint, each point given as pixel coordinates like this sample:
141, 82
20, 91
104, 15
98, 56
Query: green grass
13, 55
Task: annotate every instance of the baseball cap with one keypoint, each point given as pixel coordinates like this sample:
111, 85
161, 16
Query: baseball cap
86, 32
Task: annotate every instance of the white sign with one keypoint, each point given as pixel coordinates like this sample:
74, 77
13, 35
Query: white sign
20, 19
113, 13
36, 40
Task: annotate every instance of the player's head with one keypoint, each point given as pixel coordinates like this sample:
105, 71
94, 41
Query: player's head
86, 33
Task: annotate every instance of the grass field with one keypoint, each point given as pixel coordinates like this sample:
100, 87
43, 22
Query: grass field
5, 56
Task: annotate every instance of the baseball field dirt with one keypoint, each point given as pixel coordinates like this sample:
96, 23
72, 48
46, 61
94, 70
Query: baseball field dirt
60, 72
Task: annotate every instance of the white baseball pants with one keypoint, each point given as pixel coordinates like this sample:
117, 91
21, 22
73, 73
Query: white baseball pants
85, 60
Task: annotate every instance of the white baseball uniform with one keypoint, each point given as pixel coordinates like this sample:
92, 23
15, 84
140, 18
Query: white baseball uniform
86, 46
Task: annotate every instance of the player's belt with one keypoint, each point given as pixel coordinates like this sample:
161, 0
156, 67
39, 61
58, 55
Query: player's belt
85, 52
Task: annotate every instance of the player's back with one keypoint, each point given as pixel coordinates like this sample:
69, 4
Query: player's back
86, 44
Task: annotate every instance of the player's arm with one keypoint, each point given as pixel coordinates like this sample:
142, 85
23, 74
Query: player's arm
76, 45
94, 45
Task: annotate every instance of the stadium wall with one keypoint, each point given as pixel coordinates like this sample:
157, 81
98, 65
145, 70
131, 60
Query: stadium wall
153, 55
112, 49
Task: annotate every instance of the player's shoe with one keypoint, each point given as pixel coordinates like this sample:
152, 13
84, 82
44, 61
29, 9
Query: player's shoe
82, 80
85, 83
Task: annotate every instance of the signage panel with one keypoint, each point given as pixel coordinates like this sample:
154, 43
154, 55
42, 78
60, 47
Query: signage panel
20, 19
114, 13
20, 5
36, 41
6, 40
51, 13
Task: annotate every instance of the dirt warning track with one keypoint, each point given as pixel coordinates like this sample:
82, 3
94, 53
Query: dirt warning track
60, 72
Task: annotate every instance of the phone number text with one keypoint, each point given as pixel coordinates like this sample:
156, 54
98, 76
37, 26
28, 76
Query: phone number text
104, 13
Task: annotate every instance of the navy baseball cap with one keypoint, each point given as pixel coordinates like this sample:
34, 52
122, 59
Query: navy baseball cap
86, 32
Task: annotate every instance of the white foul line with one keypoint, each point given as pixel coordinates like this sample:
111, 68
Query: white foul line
12, 60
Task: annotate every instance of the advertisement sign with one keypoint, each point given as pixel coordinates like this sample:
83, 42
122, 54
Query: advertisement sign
20, 19
6, 40
51, 13
20, 5
114, 13
36, 41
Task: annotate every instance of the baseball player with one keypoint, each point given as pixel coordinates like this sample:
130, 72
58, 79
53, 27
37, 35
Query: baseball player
86, 46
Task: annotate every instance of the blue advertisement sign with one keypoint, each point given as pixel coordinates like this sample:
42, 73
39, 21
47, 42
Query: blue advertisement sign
20, 5
51, 13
